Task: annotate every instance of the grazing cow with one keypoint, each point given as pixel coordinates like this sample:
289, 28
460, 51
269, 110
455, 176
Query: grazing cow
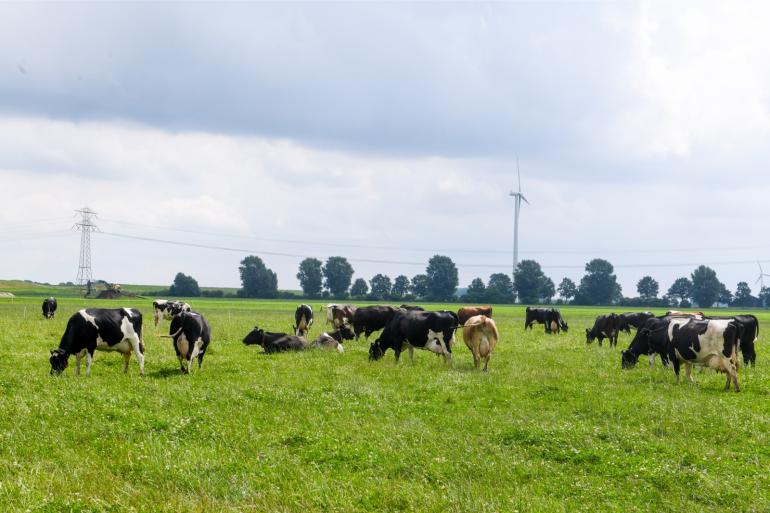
434, 331
466, 312
369, 319
480, 335
165, 309
634, 320
275, 342
605, 326
550, 317
192, 335
303, 319
334, 339
748, 336
709, 342
412, 308
118, 329
49, 307
338, 315
677, 313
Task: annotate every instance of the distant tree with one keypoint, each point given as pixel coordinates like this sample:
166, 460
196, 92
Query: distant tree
256, 279
184, 286
477, 292
359, 288
567, 289
725, 296
764, 297
680, 290
530, 283
419, 286
400, 287
310, 276
647, 288
547, 290
337, 275
743, 295
705, 286
442, 278
599, 286
500, 289
380, 286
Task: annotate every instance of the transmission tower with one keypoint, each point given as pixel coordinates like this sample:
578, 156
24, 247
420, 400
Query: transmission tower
85, 226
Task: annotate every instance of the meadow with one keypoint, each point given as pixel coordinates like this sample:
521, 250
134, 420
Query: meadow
555, 426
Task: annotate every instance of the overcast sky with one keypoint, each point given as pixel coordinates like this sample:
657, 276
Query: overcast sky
385, 132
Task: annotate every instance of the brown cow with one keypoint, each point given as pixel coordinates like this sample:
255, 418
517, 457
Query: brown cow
337, 315
480, 335
677, 313
466, 312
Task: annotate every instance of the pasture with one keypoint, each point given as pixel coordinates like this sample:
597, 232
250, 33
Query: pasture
555, 426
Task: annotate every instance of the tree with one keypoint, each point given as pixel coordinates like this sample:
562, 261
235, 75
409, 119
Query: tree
547, 290
500, 289
419, 286
743, 295
647, 288
310, 276
185, 286
380, 285
725, 296
599, 286
530, 283
681, 289
337, 275
400, 286
477, 291
359, 288
256, 279
442, 278
764, 296
567, 289
705, 286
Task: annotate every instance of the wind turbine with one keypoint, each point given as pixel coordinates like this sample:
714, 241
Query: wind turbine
518, 197
761, 279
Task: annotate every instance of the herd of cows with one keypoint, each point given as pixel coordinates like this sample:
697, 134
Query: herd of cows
679, 338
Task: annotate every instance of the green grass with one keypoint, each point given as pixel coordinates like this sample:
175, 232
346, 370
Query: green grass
554, 426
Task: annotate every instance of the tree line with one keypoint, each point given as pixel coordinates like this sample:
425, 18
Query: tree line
333, 279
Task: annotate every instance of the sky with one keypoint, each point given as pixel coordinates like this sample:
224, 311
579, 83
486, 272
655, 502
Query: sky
385, 133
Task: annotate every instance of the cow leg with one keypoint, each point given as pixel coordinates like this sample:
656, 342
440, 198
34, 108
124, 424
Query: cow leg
126, 359
89, 361
486, 361
135, 346
448, 358
652, 359
688, 371
476, 359
78, 356
675, 363
411, 354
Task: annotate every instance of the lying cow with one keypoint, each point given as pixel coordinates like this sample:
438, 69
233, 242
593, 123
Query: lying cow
605, 326
49, 307
118, 329
337, 315
165, 309
275, 342
466, 312
412, 308
634, 320
677, 313
334, 339
480, 335
433, 331
303, 319
192, 335
369, 319
549, 317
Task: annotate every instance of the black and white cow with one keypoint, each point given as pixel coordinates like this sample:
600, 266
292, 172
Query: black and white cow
275, 342
368, 319
303, 319
433, 331
549, 317
651, 339
748, 336
118, 329
605, 326
49, 307
634, 320
191, 334
334, 339
165, 309
710, 343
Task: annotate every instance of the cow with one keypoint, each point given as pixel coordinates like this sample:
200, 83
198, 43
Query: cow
275, 342
334, 339
191, 334
337, 315
466, 312
412, 308
105, 329
677, 313
303, 319
165, 309
748, 338
708, 342
550, 317
634, 320
650, 339
605, 326
49, 307
433, 331
480, 335
369, 319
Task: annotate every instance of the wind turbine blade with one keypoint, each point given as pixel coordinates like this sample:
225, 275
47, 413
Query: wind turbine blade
518, 172
758, 280
525, 199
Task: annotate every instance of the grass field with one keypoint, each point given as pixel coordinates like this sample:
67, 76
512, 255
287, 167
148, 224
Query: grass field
554, 426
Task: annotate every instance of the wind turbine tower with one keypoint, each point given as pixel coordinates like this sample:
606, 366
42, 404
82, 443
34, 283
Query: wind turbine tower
518, 198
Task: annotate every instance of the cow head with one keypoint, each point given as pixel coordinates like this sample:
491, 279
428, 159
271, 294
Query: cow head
590, 337
59, 361
628, 359
346, 333
255, 337
376, 350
